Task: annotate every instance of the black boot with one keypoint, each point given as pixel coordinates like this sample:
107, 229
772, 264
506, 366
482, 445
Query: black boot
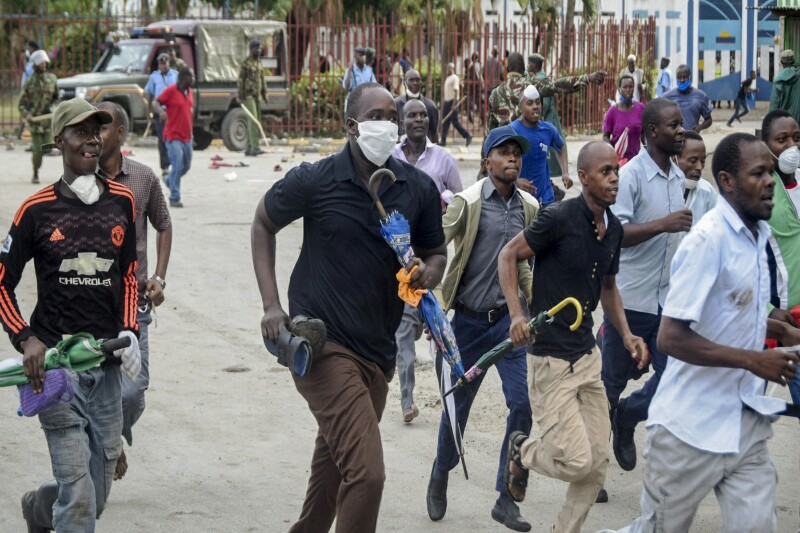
506, 511
37, 507
437, 495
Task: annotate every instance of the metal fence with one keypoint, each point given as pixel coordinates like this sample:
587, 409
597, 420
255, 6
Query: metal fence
320, 52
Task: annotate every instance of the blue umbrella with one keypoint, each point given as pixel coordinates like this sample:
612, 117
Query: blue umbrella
396, 232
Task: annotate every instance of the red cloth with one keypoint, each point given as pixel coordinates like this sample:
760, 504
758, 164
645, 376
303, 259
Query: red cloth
179, 114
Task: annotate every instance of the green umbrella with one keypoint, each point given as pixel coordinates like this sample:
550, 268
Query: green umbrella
536, 325
79, 352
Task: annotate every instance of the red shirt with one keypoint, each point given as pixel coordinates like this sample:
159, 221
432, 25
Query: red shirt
179, 114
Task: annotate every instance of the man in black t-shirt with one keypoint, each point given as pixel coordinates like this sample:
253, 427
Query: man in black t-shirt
576, 246
81, 236
741, 98
345, 276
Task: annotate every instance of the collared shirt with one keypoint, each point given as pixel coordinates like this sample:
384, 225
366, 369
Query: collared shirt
451, 88
701, 200
359, 76
345, 274
158, 82
721, 286
571, 260
149, 203
500, 221
693, 105
437, 163
647, 194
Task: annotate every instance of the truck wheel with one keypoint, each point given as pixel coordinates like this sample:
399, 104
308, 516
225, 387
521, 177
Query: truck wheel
202, 139
234, 130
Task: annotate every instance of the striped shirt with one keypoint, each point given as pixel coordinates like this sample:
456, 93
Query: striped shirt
150, 204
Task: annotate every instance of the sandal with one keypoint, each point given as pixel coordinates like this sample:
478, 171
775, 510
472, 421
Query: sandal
510, 479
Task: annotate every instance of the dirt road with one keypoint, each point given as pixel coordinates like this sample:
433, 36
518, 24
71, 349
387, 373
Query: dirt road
225, 442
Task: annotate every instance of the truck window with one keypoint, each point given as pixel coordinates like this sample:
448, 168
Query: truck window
129, 57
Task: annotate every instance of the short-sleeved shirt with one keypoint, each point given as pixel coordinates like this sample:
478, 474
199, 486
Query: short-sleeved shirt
150, 205
437, 163
359, 76
571, 260
617, 120
179, 108
534, 164
345, 274
721, 287
743, 88
694, 104
647, 194
158, 82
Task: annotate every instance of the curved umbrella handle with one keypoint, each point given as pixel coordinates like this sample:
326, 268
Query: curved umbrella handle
375, 184
562, 304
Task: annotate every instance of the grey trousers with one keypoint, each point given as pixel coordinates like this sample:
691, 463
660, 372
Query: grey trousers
677, 477
409, 331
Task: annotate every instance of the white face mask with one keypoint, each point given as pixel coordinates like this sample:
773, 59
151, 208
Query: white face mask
377, 139
689, 184
85, 188
789, 160
411, 95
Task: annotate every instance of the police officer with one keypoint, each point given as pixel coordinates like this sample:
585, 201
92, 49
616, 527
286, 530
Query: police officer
251, 86
38, 96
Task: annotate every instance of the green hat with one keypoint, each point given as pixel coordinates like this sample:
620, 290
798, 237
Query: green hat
74, 112
787, 55
536, 58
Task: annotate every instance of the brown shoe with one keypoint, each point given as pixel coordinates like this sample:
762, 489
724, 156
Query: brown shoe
410, 414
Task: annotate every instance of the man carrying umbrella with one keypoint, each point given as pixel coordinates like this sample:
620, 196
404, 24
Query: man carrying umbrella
576, 246
80, 233
353, 269
481, 220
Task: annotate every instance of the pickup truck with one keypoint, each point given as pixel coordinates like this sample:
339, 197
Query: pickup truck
214, 49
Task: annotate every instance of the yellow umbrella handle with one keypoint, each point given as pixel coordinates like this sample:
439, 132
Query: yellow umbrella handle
562, 304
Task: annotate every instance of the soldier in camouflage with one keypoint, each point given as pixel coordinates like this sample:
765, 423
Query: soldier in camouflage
251, 86
38, 96
504, 100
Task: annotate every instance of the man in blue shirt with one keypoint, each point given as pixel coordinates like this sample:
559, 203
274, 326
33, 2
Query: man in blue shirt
358, 73
534, 177
665, 80
693, 102
159, 80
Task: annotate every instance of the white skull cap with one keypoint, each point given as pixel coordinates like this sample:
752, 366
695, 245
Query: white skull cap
530, 92
38, 57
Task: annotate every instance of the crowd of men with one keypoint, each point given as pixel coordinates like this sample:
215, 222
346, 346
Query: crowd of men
695, 283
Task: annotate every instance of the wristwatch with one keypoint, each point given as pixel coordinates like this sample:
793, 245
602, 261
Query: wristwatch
160, 281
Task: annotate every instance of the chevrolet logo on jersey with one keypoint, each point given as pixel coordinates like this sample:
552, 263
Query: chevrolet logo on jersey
86, 264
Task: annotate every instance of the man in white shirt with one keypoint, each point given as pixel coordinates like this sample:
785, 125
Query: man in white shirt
638, 78
450, 110
702, 434
700, 196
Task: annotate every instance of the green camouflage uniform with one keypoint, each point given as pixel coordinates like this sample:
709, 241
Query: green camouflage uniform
38, 96
251, 86
504, 100
549, 114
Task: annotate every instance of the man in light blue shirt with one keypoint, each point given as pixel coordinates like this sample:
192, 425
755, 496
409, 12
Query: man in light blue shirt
665, 80
651, 207
358, 73
159, 80
705, 432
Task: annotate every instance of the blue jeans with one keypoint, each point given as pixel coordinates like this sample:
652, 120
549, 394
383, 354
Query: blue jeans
133, 389
83, 439
619, 367
180, 157
794, 389
475, 338
739, 103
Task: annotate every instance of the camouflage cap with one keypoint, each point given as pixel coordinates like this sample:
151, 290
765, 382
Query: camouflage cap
74, 112
787, 55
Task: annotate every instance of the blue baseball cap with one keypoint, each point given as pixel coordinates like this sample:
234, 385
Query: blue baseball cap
500, 136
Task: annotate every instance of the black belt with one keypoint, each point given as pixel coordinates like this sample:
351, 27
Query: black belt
491, 316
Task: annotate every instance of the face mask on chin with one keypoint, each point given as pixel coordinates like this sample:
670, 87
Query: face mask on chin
690, 184
410, 94
85, 188
377, 140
